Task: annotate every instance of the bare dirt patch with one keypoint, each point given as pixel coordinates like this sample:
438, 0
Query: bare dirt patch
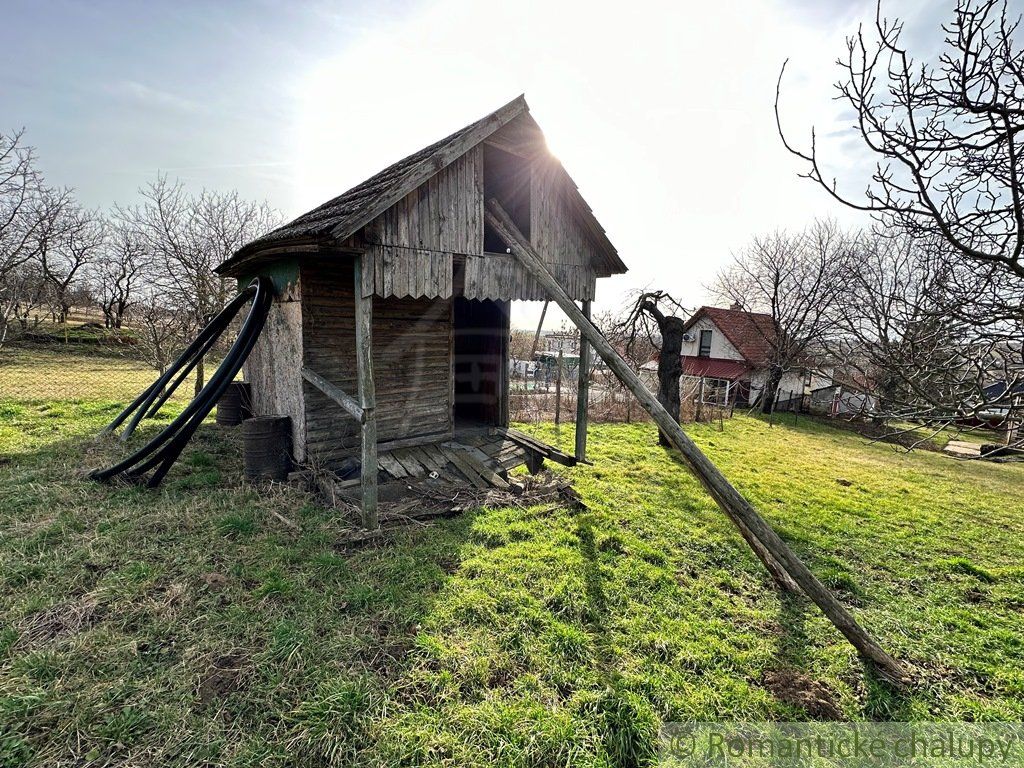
222, 678
215, 582
801, 691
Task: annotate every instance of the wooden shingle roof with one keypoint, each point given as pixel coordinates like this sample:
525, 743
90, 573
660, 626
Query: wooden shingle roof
343, 216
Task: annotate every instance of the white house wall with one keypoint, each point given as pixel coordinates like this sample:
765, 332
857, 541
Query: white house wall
721, 347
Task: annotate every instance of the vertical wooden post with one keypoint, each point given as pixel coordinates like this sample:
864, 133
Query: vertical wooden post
558, 390
583, 392
367, 395
503, 374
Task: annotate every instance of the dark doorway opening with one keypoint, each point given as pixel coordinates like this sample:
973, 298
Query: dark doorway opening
479, 355
507, 179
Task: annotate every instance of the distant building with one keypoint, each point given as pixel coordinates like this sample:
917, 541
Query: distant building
847, 395
566, 342
729, 349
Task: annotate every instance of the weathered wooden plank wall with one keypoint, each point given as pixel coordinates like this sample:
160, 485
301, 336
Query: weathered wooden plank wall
411, 245
498, 276
554, 231
556, 235
273, 365
412, 368
408, 272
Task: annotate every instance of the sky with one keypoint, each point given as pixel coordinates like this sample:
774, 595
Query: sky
662, 112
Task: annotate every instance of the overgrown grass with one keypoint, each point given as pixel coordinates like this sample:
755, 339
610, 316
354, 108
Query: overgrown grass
190, 626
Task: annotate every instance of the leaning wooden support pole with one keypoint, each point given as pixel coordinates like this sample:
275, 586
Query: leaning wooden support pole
367, 396
770, 548
536, 336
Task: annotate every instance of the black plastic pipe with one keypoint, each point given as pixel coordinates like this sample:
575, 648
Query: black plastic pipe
163, 450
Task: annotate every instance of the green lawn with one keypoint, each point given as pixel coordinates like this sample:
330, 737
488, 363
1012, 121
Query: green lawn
191, 626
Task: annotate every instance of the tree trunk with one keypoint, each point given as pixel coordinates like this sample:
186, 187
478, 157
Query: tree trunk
200, 375
670, 368
771, 388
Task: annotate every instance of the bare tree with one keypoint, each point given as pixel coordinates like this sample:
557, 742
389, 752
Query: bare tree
947, 135
647, 320
187, 236
68, 240
636, 348
789, 285
160, 330
905, 332
119, 273
28, 291
20, 186
520, 345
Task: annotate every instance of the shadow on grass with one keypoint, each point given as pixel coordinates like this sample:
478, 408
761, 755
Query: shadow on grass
793, 640
790, 683
630, 730
882, 701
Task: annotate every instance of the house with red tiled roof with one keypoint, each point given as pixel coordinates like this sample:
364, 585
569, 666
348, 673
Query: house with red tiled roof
729, 351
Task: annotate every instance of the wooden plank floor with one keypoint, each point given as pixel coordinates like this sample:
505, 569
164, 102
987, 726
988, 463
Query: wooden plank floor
480, 458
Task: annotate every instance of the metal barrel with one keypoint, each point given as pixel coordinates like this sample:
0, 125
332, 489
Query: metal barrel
267, 447
235, 405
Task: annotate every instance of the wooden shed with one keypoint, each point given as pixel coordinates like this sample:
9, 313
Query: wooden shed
390, 328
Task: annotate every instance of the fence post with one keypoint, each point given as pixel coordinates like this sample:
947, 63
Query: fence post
558, 390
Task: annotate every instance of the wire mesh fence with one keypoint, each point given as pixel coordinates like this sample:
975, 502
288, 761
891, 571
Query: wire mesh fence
80, 359
546, 399
49, 372
100, 366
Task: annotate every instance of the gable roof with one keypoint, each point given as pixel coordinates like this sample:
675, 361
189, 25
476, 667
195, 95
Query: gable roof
343, 216
749, 332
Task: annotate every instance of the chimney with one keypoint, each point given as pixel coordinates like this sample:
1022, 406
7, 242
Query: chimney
736, 307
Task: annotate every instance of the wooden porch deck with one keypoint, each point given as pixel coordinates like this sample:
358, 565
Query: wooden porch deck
480, 457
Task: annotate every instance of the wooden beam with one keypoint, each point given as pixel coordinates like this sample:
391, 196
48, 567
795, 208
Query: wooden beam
558, 387
336, 393
776, 555
506, 340
536, 336
367, 395
583, 392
